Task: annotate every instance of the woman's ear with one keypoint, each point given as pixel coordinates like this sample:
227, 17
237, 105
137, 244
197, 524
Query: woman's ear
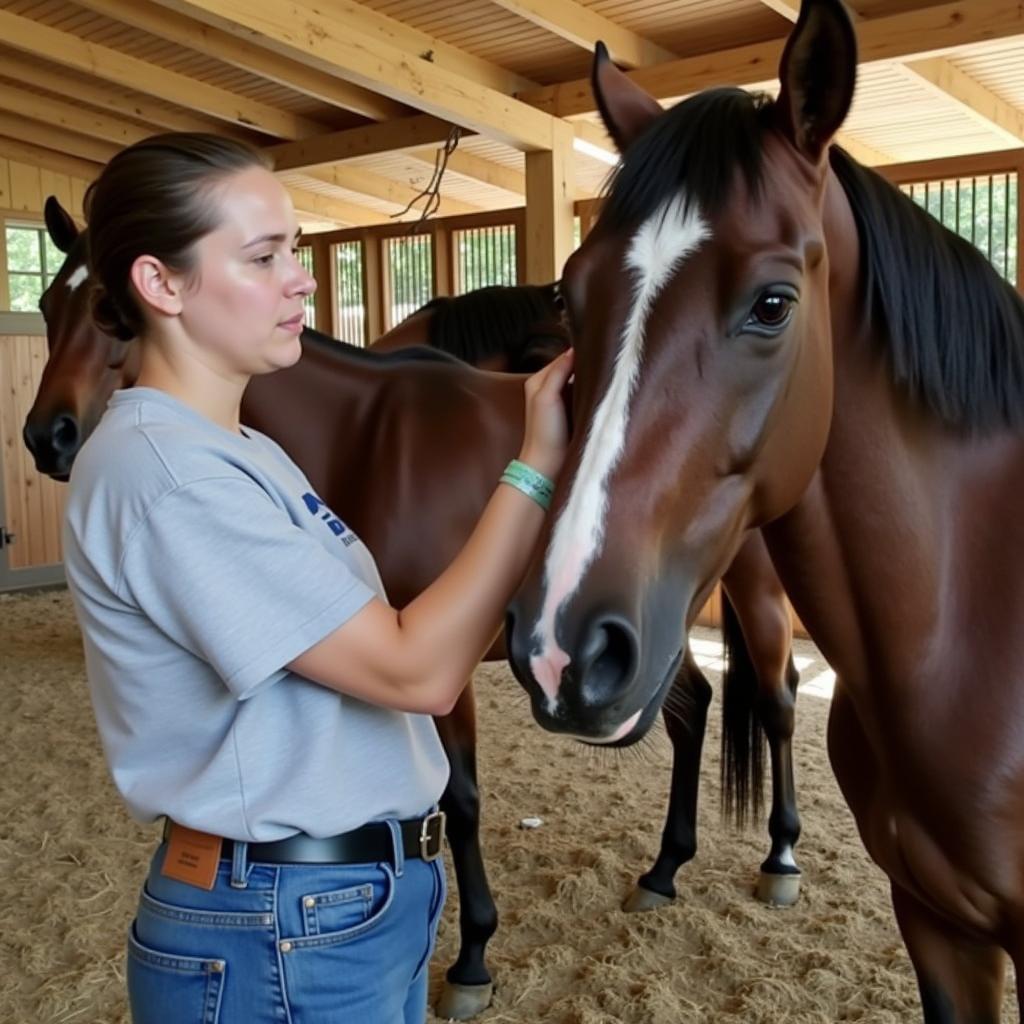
157, 287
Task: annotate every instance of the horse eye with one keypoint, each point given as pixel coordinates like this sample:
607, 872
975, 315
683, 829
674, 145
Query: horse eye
771, 310
771, 313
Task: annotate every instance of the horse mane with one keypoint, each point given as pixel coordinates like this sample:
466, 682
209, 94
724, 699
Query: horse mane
335, 347
954, 328
491, 321
692, 150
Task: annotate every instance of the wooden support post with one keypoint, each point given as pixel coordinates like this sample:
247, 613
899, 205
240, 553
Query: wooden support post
326, 298
373, 285
1020, 227
444, 283
549, 207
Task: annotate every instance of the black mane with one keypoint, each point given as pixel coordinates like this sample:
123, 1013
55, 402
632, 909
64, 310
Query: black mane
492, 321
954, 327
692, 149
954, 330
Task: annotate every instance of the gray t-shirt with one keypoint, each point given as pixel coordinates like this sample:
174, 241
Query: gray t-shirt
201, 563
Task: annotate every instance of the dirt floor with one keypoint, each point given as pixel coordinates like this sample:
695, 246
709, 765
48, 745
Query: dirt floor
565, 953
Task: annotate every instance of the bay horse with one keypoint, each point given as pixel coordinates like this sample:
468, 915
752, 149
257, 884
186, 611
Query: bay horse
770, 335
401, 423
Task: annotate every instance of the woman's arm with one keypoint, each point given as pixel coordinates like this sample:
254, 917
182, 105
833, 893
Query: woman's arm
420, 658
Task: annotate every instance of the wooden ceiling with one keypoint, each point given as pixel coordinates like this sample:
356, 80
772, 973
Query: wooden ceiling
355, 98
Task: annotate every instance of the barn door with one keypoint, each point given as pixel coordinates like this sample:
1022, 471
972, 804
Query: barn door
31, 505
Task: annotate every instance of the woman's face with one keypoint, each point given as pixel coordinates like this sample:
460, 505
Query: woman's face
243, 308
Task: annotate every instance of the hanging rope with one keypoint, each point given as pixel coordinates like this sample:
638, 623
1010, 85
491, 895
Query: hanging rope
432, 193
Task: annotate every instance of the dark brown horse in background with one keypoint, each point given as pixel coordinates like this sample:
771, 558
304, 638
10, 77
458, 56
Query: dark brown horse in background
402, 424
790, 343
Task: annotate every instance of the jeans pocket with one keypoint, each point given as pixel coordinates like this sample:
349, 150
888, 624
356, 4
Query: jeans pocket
347, 913
338, 910
169, 988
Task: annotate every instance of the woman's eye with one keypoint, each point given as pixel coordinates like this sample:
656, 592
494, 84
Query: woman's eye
264, 260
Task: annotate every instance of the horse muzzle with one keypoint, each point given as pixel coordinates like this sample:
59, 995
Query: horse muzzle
54, 443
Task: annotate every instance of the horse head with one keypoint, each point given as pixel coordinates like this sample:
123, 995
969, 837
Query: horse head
85, 365
699, 310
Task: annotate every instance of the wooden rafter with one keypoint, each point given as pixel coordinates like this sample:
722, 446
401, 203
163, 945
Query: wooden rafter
916, 34
57, 139
582, 26
72, 117
943, 78
48, 159
111, 65
358, 179
343, 42
43, 75
193, 35
337, 147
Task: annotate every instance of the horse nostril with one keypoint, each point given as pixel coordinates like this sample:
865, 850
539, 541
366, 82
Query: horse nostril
65, 436
607, 662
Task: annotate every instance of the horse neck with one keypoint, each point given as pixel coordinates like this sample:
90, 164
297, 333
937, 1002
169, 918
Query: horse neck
317, 409
885, 519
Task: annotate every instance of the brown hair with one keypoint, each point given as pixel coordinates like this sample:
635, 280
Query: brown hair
154, 198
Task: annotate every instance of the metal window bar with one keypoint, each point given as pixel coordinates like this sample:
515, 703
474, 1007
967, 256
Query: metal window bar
410, 275
352, 320
981, 209
484, 256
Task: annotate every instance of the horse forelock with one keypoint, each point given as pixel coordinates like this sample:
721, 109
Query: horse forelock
655, 252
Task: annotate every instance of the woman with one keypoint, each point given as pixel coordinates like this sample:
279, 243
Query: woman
251, 684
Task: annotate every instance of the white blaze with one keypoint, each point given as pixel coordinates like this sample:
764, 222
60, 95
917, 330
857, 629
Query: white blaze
77, 277
655, 253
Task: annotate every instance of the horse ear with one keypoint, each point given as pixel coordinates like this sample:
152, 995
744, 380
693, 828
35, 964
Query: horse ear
625, 108
818, 72
59, 225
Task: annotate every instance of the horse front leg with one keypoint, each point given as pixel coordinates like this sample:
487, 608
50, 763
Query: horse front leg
685, 713
468, 985
759, 699
960, 977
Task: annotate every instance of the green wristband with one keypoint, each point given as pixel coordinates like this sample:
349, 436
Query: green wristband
533, 484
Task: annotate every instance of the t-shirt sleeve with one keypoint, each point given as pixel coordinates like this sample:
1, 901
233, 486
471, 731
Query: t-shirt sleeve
222, 570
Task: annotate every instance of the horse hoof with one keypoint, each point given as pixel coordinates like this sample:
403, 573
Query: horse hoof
461, 1002
778, 890
641, 899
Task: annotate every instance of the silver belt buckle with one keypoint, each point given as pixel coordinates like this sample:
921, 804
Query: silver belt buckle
432, 835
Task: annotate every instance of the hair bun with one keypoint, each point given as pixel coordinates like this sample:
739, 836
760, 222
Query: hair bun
107, 315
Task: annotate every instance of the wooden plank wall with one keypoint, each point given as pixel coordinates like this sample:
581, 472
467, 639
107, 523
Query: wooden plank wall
35, 504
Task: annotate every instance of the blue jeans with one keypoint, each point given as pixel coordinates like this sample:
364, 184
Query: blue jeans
286, 944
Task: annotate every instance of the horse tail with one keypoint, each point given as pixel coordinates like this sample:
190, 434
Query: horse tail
742, 736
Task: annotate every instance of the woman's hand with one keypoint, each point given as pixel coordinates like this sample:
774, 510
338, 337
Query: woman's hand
546, 436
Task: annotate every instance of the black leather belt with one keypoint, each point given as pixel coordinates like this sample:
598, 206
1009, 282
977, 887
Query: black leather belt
422, 838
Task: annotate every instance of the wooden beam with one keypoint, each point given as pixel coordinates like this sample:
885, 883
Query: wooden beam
926, 32
379, 28
329, 208
340, 43
470, 165
72, 118
584, 27
239, 53
549, 210
336, 147
367, 183
983, 106
38, 40
325, 297
790, 9
1005, 161
945, 80
44, 75
48, 137
61, 163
